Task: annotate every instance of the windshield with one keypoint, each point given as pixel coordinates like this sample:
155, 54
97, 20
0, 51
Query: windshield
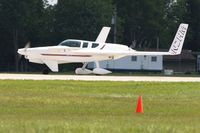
71, 43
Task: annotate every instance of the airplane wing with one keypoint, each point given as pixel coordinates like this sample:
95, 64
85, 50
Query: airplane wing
103, 35
53, 65
118, 53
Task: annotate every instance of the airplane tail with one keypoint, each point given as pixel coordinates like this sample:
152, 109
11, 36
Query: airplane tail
178, 41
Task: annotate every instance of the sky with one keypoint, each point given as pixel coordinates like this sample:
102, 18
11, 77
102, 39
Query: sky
52, 2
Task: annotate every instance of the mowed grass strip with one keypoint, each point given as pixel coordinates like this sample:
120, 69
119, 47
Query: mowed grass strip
98, 107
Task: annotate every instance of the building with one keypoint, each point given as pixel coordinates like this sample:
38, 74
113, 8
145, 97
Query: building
133, 63
185, 62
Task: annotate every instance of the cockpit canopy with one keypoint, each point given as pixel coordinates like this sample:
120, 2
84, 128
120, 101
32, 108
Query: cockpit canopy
71, 43
79, 44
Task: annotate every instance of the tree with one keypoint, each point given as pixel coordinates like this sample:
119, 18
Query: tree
185, 11
20, 22
143, 21
193, 18
82, 19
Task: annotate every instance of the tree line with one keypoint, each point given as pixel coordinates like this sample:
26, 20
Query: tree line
141, 24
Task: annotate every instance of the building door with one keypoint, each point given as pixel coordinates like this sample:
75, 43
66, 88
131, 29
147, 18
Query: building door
145, 63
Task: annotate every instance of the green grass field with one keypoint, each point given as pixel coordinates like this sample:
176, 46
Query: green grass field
98, 107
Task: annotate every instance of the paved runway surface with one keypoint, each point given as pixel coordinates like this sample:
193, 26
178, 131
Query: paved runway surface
97, 78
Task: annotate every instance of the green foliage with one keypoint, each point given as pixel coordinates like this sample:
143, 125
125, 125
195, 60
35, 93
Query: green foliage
83, 106
193, 18
82, 19
21, 21
143, 21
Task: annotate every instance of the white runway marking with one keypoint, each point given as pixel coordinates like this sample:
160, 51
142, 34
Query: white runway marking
97, 78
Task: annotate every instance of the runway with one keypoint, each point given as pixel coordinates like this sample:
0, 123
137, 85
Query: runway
97, 78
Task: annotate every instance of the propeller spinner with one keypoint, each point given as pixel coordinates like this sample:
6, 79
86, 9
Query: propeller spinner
22, 51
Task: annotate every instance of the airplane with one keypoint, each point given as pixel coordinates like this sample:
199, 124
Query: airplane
81, 51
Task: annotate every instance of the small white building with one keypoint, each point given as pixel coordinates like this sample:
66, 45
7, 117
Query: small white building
137, 63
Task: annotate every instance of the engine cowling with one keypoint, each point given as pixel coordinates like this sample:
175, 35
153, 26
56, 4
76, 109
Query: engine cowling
81, 71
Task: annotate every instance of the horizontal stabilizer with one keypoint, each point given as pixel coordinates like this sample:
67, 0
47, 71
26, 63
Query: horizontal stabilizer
53, 65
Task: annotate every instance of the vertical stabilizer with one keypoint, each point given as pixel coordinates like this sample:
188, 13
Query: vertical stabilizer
178, 41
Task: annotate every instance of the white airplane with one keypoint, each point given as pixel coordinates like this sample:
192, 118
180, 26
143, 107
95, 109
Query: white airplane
73, 51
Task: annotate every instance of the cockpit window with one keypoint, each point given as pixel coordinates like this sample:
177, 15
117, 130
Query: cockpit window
70, 43
85, 44
94, 45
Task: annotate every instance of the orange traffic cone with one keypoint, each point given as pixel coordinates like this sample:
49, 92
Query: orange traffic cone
139, 106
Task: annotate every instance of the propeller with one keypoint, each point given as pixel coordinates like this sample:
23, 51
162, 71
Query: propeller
22, 51
28, 45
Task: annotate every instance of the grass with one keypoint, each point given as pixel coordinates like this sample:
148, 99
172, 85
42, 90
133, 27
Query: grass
98, 107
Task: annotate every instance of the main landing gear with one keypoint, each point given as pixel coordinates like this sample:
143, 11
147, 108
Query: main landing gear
97, 70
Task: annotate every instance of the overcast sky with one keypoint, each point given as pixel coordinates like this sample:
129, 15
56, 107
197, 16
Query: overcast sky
52, 2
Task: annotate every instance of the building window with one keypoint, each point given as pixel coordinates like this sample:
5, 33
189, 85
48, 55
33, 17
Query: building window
134, 58
153, 59
85, 44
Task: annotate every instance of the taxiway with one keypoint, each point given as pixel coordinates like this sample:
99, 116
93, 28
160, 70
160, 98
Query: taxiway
97, 78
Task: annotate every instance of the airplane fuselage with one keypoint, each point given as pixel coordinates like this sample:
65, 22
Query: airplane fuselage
66, 54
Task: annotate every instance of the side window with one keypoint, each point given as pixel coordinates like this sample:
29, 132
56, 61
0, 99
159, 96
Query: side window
94, 45
134, 58
85, 44
153, 59
75, 44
